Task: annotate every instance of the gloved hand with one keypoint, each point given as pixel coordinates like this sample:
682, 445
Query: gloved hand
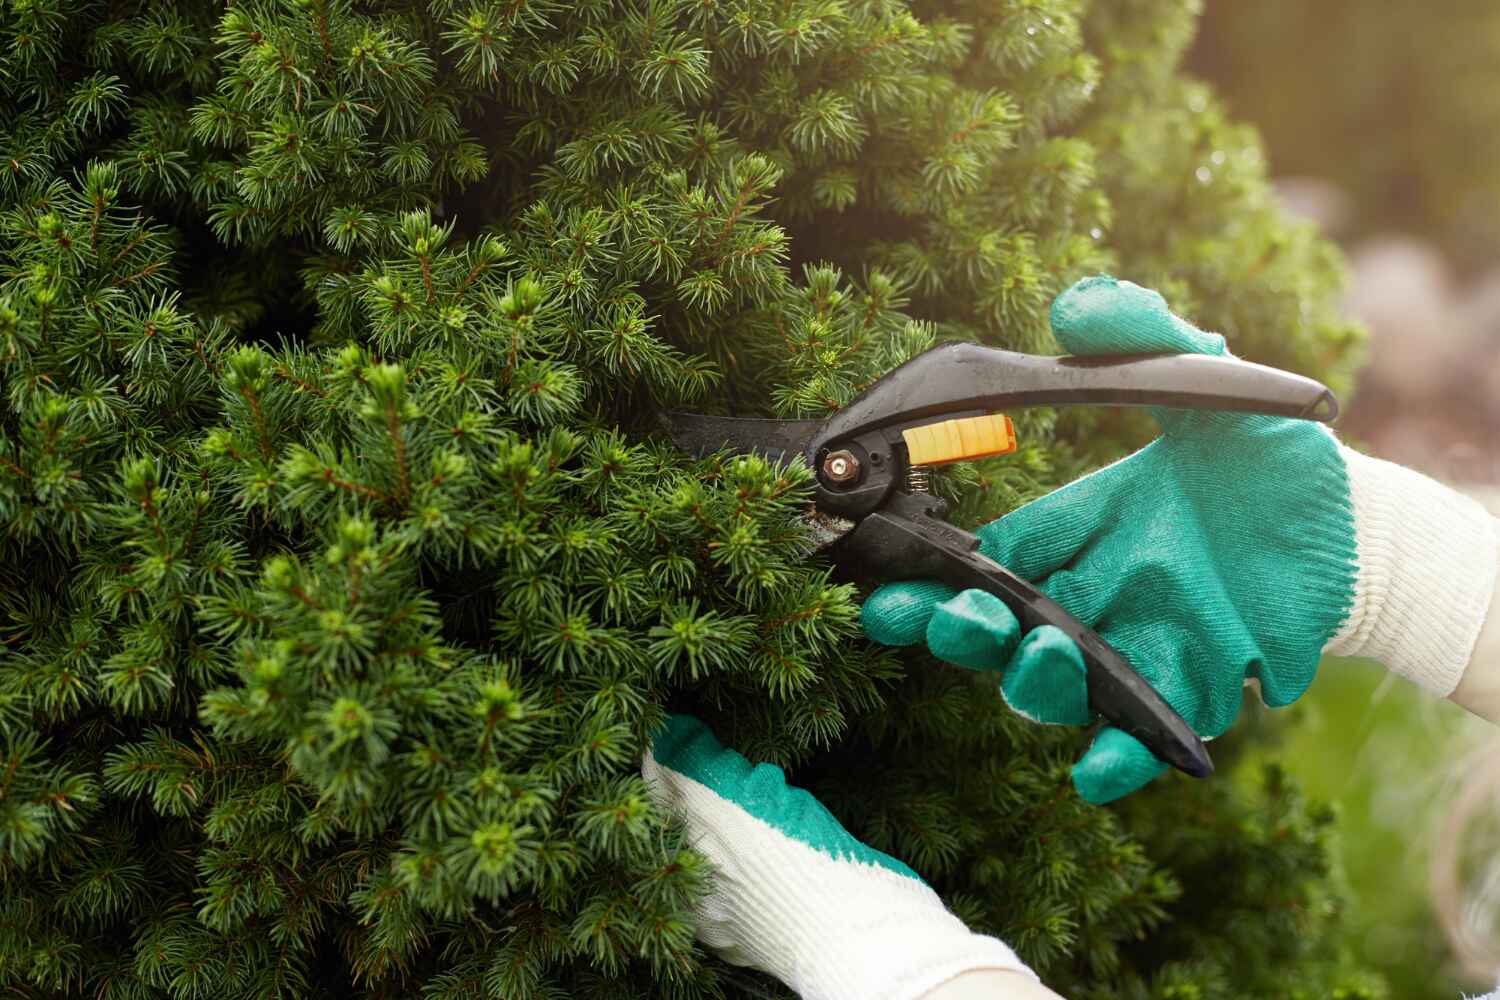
795, 895
1232, 547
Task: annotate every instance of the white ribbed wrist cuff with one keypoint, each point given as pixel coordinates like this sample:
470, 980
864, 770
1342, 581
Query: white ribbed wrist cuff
1427, 562
899, 954
830, 928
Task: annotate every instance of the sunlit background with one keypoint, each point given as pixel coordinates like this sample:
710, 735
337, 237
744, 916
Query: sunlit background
1382, 125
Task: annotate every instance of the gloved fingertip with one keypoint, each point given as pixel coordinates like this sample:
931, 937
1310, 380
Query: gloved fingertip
897, 614
1102, 315
1116, 764
682, 737
1075, 306
1046, 680
974, 629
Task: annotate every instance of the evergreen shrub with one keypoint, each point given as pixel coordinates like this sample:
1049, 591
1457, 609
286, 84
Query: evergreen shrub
343, 574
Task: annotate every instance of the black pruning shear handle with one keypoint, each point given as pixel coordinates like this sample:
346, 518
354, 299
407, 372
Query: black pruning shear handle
873, 508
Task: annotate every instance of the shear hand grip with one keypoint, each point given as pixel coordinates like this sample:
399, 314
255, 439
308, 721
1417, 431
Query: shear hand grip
960, 378
905, 541
1116, 691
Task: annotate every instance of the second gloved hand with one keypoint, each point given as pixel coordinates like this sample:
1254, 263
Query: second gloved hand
1234, 546
795, 895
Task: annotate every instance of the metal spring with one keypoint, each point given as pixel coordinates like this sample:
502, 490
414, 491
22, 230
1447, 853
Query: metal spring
918, 479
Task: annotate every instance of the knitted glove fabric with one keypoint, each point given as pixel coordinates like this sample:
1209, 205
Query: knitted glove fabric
1233, 547
794, 894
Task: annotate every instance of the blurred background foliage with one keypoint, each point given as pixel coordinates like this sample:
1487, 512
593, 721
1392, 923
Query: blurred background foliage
1381, 122
1395, 101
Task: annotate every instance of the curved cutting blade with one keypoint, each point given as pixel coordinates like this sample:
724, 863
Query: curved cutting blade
777, 440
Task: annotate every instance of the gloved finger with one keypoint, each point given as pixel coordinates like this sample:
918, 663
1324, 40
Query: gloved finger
974, 629
1115, 764
1045, 535
896, 614
680, 738
685, 757
1046, 680
1102, 315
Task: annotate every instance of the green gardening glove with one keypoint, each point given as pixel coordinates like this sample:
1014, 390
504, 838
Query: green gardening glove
1233, 547
795, 895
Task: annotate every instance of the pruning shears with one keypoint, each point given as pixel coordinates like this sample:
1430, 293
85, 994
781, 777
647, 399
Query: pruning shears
873, 510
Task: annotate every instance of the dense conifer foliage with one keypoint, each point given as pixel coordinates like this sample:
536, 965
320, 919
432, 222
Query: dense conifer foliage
344, 576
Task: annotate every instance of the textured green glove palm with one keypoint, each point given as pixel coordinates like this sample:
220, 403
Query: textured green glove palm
1223, 550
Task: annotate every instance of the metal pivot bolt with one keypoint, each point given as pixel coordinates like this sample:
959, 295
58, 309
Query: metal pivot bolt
840, 467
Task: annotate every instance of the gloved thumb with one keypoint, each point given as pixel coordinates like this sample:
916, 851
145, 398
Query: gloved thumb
1103, 315
1114, 765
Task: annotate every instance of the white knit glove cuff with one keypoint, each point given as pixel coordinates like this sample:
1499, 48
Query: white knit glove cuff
831, 928
1427, 561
